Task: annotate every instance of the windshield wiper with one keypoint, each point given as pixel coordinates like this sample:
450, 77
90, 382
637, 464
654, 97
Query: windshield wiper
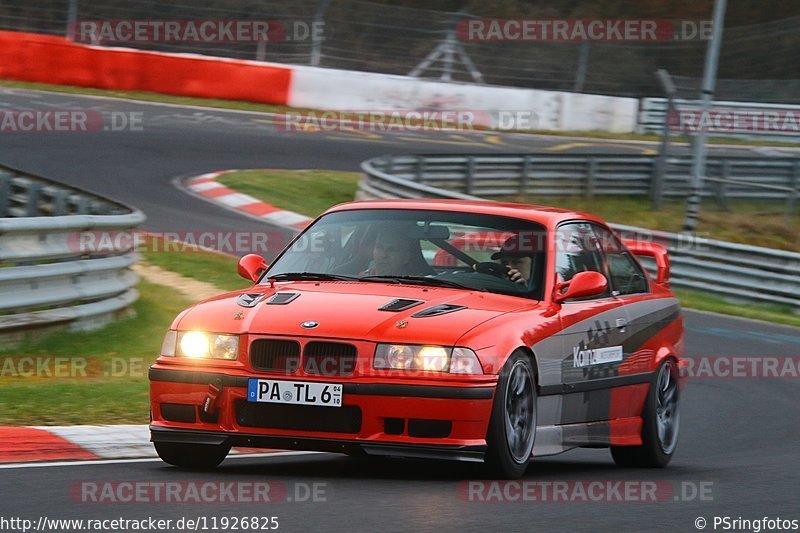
311, 276
422, 280
418, 280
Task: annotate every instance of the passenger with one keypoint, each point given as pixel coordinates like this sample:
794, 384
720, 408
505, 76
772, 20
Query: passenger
396, 254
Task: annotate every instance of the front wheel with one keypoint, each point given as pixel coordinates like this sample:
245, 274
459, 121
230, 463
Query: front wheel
512, 428
202, 456
660, 423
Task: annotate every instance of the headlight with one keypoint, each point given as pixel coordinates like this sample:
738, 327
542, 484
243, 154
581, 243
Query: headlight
201, 345
426, 358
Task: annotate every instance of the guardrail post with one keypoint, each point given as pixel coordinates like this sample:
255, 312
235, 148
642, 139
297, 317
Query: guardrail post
470, 174
5, 193
420, 168
591, 170
81, 204
791, 202
60, 202
32, 206
523, 178
722, 199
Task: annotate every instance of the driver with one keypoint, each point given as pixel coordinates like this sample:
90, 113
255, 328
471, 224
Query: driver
515, 259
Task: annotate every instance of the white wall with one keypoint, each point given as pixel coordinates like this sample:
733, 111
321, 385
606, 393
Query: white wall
321, 88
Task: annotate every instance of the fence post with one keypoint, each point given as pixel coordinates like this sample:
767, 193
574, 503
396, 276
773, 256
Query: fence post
470, 174
591, 170
660, 164
523, 179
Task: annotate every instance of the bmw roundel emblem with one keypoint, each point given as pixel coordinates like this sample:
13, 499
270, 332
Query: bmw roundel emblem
308, 324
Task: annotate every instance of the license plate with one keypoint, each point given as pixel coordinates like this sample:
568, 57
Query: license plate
294, 392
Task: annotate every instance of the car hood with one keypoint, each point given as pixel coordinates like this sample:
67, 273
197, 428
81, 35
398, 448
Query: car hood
348, 310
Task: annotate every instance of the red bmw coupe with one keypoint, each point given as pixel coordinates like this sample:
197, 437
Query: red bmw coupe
476, 331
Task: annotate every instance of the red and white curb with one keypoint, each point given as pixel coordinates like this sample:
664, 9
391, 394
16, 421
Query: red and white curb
25, 444
209, 189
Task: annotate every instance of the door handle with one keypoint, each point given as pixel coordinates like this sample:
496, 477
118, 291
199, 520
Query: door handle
621, 324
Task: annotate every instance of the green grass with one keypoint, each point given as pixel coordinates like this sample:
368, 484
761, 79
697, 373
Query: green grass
215, 268
708, 302
114, 387
309, 192
271, 108
746, 222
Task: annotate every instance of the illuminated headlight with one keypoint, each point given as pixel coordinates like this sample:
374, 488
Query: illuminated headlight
200, 345
426, 359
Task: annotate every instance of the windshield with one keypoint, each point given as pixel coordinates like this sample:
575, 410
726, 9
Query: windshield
438, 248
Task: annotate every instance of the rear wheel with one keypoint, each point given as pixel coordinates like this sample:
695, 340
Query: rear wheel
660, 423
191, 455
512, 428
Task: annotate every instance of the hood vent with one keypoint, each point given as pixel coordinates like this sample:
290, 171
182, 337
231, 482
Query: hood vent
437, 310
249, 300
282, 298
400, 304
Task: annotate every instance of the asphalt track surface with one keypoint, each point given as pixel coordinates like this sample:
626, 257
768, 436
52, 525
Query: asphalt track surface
738, 436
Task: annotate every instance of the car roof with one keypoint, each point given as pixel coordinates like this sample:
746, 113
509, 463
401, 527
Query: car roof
547, 216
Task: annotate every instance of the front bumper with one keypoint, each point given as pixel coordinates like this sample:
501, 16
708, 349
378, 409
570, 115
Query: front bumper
421, 451
404, 418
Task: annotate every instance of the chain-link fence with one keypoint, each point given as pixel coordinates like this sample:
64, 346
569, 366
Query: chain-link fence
389, 38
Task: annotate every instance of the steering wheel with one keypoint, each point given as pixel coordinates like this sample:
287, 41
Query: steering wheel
494, 269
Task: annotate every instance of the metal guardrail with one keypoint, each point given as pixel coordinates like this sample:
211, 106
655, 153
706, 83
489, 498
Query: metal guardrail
595, 174
736, 272
52, 272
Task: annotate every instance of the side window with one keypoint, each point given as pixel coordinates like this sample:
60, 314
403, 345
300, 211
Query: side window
577, 250
627, 276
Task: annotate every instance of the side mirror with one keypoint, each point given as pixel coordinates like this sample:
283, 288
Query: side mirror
251, 267
657, 252
582, 285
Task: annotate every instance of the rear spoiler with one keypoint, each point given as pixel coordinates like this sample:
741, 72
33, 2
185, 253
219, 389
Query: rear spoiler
657, 252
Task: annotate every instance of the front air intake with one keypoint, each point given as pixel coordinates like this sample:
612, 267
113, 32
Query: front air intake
249, 300
437, 310
400, 304
282, 298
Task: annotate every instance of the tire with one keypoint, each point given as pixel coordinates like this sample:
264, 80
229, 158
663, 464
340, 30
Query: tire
201, 456
512, 427
660, 423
